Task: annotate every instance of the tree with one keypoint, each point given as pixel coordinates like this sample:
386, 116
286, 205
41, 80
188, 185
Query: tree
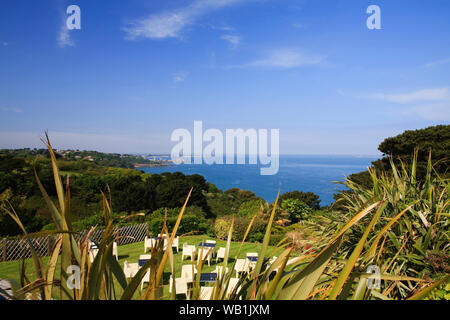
401, 148
309, 198
297, 209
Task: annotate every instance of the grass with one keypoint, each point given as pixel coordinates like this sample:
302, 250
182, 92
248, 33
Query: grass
131, 253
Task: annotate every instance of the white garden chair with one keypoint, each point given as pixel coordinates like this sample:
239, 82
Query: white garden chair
114, 251
181, 286
205, 254
219, 270
252, 255
233, 283
220, 254
130, 269
187, 272
175, 243
242, 265
147, 243
166, 241
93, 250
188, 251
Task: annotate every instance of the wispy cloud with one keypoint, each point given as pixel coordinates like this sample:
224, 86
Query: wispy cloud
415, 96
285, 58
428, 104
434, 112
169, 24
179, 77
15, 110
233, 40
436, 63
4, 43
222, 27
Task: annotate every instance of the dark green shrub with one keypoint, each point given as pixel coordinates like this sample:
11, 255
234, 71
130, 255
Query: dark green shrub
222, 227
189, 224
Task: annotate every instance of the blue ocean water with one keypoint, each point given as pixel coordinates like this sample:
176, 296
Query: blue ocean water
296, 172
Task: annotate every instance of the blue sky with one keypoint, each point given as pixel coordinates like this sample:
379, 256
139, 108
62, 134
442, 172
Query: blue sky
139, 69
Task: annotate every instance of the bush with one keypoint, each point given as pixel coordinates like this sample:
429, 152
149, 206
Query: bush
256, 234
188, 224
252, 207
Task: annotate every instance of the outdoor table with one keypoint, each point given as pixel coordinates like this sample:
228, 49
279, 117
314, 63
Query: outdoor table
206, 277
141, 262
207, 244
207, 247
143, 259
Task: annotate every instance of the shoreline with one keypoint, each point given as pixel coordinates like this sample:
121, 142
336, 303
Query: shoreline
151, 165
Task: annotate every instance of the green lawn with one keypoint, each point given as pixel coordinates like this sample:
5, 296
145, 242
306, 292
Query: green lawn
131, 253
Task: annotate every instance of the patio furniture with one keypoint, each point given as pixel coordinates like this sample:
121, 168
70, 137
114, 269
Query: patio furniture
206, 277
220, 254
93, 250
242, 265
114, 251
130, 269
181, 286
147, 243
205, 253
219, 270
151, 242
143, 258
187, 272
232, 285
188, 251
175, 243
252, 256
166, 241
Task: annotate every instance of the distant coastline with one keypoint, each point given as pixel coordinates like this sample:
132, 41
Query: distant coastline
151, 165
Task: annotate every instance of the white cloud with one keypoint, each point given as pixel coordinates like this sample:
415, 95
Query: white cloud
169, 24
285, 58
179, 77
436, 63
415, 96
232, 39
428, 104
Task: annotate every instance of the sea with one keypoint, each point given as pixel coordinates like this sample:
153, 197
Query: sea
318, 174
